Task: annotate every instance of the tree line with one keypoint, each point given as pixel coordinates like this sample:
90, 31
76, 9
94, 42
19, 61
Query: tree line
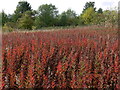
47, 15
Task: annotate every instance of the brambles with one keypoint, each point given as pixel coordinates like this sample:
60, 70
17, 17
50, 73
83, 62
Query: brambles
80, 58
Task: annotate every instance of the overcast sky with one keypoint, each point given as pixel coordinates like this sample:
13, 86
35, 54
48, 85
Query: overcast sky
77, 5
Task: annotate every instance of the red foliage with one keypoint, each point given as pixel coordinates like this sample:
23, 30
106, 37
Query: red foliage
61, 59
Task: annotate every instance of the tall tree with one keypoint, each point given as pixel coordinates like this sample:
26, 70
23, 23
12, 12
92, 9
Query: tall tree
4, 18
47, 15
26, 21
21, 8
88, 5
89, 16
88, 10
72, 17
68, 18
100, 10
63, 19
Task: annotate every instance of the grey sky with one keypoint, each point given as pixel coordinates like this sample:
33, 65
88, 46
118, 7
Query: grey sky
77, 5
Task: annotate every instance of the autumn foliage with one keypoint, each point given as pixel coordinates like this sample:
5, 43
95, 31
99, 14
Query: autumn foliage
78, 58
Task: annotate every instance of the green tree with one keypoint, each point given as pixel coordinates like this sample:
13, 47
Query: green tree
89, 16
88, 10
47, 16
80, 20
4, 18
88, 5
110, 17
100, 10
26, 21
68, 18
10, 17
72, 17
21, 8
63, 19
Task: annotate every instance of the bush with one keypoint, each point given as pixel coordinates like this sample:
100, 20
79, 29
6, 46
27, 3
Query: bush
7, 29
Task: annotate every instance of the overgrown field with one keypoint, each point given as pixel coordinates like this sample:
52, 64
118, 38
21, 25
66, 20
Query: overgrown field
78, 58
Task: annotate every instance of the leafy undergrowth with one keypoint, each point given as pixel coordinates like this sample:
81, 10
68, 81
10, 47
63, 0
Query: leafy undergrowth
78, 58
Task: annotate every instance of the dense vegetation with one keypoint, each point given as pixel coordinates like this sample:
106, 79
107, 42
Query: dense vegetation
78, 58
47, 15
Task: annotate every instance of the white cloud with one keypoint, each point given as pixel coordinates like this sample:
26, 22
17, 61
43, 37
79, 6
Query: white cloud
10, 5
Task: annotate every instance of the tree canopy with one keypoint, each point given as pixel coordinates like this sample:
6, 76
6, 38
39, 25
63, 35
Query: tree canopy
4, 18
68, 18
21, 8
26, 21
88, 5
47, 15
89, 16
